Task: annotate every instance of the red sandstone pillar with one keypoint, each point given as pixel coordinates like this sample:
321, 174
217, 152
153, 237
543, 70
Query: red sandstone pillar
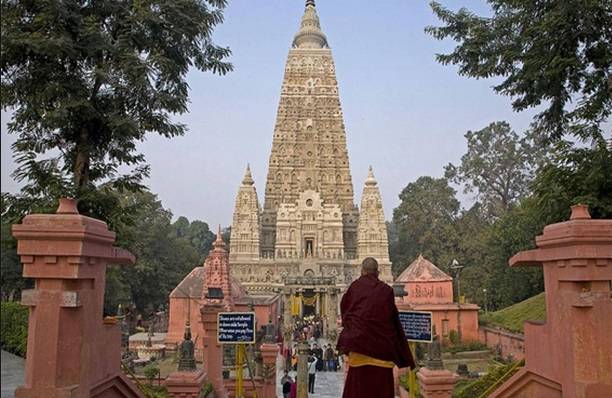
213, 351
436, 383
269, 353
71, 351
570, 354
185, 384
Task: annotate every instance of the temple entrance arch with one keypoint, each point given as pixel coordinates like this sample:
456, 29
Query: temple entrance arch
310, 295
310, 301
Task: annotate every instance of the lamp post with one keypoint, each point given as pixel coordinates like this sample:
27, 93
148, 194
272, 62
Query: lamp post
455, 265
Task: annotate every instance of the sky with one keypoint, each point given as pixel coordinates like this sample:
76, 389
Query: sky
405, 114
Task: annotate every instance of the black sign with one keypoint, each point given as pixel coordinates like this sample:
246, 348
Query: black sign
417, 325
236, 327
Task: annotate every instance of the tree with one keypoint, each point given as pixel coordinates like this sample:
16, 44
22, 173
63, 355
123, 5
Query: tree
424, 223
575, 175
195, 234
498, 166
551, 54
162, 258
11, 282
87, 80
512, 233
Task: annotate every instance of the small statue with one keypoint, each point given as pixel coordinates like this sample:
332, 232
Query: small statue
187, 361
150, 335
269, 336
434, 360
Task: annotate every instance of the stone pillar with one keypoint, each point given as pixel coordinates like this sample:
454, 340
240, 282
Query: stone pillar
287, 318
213, 351
269, 352
185, 384
302, 370
71, 351
436, 383
434, 380
570, 354
332, 323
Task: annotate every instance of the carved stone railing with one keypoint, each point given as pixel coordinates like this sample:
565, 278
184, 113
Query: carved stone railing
313, 280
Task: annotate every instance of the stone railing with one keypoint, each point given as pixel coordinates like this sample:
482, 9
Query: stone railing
304, 280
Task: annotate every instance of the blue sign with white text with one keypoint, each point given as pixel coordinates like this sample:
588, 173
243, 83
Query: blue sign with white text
417, 326
236, 327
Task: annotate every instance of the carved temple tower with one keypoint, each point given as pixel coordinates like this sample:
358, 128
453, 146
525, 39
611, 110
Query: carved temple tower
309, 237
244, 237
372, 240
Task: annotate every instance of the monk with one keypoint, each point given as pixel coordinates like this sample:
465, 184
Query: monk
372, 336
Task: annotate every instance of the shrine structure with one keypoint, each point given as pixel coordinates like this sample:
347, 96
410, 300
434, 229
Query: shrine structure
212, 282
429, 289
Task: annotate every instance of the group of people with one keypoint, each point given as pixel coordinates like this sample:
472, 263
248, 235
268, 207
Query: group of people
316, 363
372, 340
307, 328
320, 359
327, 358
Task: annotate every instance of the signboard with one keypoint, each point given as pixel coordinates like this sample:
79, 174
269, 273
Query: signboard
418, 325
236, 328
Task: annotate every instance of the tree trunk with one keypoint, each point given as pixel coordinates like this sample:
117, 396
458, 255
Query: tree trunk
81, 163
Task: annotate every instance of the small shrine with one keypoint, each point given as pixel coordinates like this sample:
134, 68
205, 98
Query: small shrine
430, 289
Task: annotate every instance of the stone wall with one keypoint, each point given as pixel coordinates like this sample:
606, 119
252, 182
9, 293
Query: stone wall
505, 343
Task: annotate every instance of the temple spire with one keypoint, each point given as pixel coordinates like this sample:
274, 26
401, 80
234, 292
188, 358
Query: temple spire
248, 178
310, 34
219, 243
371, 180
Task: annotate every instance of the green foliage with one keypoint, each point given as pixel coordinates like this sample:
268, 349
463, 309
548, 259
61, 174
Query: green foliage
424, 223
555, 55
403, 382
14, 328
466, 346
428, 221
195, 234
165, 253
86, 81
513, 317
498, 166
11, 282
207, 389
476, 388
153, 391
575, 175
512, 233
151, 371
453, 336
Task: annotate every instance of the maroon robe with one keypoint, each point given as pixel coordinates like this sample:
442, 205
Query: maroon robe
371, 326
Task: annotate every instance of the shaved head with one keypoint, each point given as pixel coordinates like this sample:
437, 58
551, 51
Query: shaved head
369, 266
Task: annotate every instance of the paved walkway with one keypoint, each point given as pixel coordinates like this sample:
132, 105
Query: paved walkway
12, 374
327, 384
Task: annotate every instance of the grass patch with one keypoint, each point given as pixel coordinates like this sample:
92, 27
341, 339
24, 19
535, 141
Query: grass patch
476, 389
513, 318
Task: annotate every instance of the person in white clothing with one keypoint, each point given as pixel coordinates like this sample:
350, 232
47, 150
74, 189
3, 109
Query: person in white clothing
312, 371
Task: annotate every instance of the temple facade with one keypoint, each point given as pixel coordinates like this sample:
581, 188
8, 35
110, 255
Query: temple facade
309, 238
